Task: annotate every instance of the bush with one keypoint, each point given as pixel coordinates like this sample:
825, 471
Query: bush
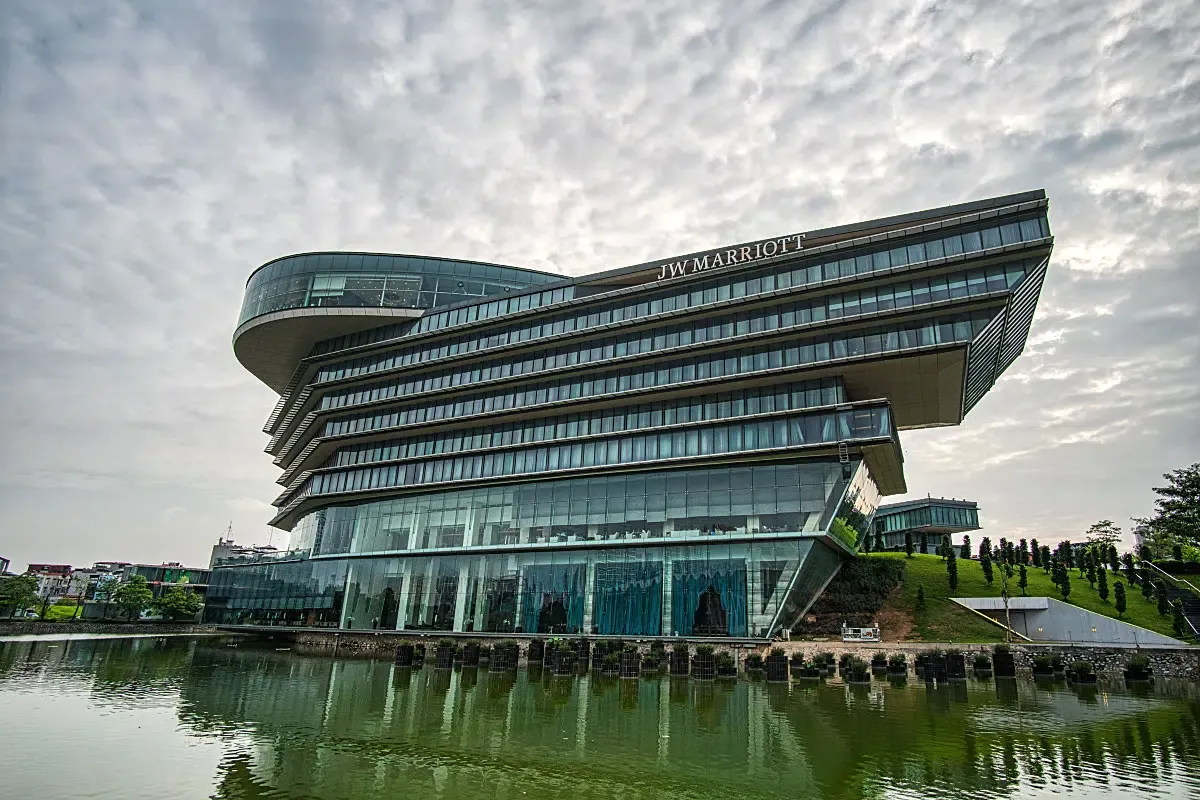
879, 660
777, 651
704, 649
825, 657
658, 647
754, 661
1081, 668
445, 643
1138, 663
650, 659
1043, 662
982, 661
723, 661
611, 661
679, 648
1001, 648
898, 660
630, 648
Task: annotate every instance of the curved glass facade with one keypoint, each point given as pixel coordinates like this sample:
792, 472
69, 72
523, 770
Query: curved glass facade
372, 280
637, 453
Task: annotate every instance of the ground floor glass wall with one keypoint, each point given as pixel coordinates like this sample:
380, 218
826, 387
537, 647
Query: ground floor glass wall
734, 589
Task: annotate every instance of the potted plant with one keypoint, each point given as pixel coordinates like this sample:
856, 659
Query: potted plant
956, 665
583, 649
651, 662
1043, 666
1059, 665
983, 665
828, 660
755, 667
1138, 669
443, 654
1004, 664
844, 663
404, 654
679, 659
934, 665
725, 665
897, 665
631, 661
536, 652
418, 655
777, 666
798, 663
471, 653
856, 671
1081, 672
610, 663
504, 656
703, 665
879, 663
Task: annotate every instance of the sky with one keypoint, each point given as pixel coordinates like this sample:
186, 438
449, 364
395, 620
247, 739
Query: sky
153, 154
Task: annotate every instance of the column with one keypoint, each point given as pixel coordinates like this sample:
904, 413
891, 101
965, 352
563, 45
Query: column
589, 593
460, 602
666, 600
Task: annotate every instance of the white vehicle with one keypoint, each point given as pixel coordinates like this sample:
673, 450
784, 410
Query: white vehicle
870, 634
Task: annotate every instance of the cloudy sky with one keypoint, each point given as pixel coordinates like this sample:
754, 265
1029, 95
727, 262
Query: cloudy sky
152, 154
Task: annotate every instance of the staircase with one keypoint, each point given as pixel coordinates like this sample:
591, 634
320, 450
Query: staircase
1183, 591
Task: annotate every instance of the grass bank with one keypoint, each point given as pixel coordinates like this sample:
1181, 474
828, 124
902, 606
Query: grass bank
944, 621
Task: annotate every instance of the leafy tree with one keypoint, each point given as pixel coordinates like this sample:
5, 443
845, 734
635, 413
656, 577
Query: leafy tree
1164, 604
1102, 588
1119, 598
178, 603
908, 544
1177, 551
966, 546
1177, 620
18, 592
1177, 509
1104, 533
1035, 551
133, 597
951, 568
1023, 580
920, 597
985, 563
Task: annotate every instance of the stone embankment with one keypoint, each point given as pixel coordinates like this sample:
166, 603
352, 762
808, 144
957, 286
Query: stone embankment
16, 627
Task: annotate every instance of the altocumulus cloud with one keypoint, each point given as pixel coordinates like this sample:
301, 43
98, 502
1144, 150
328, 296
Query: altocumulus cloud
152, 154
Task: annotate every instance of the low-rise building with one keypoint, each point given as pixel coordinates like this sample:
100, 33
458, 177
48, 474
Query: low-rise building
929, 518
161, 577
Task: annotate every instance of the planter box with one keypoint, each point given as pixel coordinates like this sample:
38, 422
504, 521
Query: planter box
1139, 676
504, 658
858, 677
1075, 677
536, 651
631, 664
443, 657
1004, 665
583, 650
755, 674
703, 667
797, 665
678, 663
470, 655
1045, 674
956, 667
418, 655
809, 673
777, 669
651, 670
563, 662
983, 672
404, 655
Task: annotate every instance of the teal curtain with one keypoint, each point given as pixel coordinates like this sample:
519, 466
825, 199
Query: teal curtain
628, 599
690, 579
546, 583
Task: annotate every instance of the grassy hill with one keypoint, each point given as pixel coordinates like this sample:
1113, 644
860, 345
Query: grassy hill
944, 621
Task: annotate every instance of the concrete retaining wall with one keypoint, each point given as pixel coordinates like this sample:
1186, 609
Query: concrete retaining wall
13, 627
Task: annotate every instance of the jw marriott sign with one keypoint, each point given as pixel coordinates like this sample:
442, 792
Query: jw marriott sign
734, 255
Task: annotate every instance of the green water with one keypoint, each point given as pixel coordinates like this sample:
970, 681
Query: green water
180, 718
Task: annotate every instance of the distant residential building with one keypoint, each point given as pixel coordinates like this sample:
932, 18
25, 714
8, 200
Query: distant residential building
53, 580
161, 577
226, 550
929, 517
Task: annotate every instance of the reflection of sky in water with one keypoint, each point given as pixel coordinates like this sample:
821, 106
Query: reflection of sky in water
180, 718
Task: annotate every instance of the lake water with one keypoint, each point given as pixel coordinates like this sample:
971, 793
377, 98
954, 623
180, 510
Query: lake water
183, 717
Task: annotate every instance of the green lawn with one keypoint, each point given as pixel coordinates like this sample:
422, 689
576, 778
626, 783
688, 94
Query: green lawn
944, 621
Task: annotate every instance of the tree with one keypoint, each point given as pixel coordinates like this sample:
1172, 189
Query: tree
1091, 571
1164, 604
1023, 580
1114, 559
879, 541
18, 592
1046, 560
1177, 551
1177, 620
866, 543
1102, 588
1130, 572
1023, 552
1103, 533
966, 546
1147, 587
1064, 588
133, 597
1177, 509
178, 603
920, 597
1085, 562
1119, 598
924, 544
908, 544
985, 563
1035, 551
1068, 554
985, 548
952, 568
944, 548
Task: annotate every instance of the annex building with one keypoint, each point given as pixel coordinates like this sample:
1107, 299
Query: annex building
685, 447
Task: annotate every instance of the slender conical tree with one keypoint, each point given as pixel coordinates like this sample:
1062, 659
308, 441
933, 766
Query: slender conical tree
1046, 558
908, 544
1064, 588
1164, 604
924, 544
966, 546
1023, 579
952, 569
985, 563
1102, 584
1119, 598
1177, 619
1091, 571
1035, 550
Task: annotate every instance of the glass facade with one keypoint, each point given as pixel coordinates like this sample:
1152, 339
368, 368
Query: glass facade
930, 519
618, 455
